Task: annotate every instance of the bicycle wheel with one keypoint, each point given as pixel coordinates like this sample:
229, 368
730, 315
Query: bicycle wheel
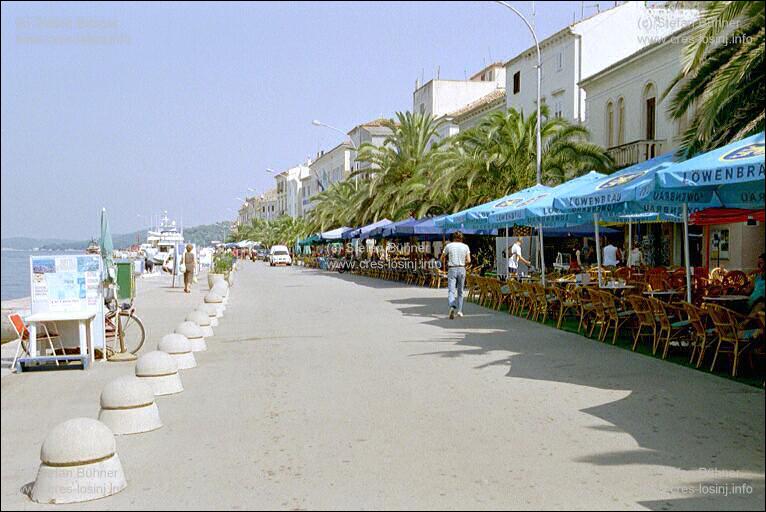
131, 331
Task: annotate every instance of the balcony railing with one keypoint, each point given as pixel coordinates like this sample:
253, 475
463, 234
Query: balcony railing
634, 152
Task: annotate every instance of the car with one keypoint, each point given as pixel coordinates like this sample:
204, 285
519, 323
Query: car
279, 255
262, 255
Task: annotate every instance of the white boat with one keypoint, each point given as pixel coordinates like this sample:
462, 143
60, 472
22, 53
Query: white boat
162, 241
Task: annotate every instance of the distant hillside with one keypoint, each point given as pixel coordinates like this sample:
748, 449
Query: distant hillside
200, 235
22, 243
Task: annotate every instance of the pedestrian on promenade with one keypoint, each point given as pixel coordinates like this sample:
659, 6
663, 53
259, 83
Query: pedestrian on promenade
457, 256
516, 257
189, 271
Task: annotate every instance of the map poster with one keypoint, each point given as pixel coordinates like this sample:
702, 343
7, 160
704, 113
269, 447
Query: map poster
68, 284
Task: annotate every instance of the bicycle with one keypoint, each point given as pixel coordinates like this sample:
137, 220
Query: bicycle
125, 332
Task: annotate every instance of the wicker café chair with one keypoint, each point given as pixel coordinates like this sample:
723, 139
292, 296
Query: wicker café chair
735, 282
565, 303
658, 279
585, 305
672, 328
615, 317
645, 318
732, 337
514, 296
701, 336
716, 275
599, 313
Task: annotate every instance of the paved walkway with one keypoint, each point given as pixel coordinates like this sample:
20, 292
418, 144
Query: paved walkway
323, 390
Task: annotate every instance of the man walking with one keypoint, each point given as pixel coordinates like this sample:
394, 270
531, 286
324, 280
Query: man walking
457, 256
516, 257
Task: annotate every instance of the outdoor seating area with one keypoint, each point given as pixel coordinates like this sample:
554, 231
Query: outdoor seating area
701, 313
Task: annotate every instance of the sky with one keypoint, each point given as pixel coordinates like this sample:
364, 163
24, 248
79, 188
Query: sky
144, 107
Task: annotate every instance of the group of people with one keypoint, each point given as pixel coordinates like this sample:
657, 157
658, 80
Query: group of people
611, 256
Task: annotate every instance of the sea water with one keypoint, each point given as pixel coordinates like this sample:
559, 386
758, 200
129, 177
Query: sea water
14, 272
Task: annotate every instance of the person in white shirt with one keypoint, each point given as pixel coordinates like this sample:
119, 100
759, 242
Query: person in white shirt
611, 255
636, 258
516, 257
457, 256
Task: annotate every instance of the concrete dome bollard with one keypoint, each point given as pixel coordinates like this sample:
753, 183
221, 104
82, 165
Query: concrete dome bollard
160, 371
79, 462
211, 311
128, 407
202, 320
214, 298
194, 334
223, 292
180, 348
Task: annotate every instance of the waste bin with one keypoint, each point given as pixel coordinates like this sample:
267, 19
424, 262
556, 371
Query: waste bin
126, 284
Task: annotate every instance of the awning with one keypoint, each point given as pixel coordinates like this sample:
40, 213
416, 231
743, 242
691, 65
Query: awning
725, 216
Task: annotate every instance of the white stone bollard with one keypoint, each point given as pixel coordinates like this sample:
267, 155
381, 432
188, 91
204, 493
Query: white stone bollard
211, 311
214, 298
202, 320
79, 462
180, 348
160, 371
194, 334
128, 406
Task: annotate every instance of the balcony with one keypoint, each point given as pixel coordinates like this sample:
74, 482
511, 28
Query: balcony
634, 152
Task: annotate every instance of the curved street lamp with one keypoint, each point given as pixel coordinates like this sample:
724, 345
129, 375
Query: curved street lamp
539, 79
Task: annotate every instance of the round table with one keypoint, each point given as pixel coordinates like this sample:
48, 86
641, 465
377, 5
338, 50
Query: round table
666, 294
727, 298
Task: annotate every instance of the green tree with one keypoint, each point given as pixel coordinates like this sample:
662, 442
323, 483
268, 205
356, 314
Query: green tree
499, 156
721, 84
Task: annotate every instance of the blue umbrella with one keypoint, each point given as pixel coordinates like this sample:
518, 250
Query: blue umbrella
539, 209
734, 172
476, 217
364, 232
393, 229
432, 226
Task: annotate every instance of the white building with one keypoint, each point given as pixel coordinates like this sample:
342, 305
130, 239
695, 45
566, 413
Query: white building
328, 168
288, 186
439, 98
624, 108
583, 49
372, 132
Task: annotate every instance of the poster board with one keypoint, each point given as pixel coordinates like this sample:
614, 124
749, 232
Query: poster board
68, 284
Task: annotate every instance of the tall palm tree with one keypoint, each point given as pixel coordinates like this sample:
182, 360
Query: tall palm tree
412, 149
722, 78
498, 157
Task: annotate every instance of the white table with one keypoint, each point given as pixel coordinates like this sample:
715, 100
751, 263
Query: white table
727, 298
84, 321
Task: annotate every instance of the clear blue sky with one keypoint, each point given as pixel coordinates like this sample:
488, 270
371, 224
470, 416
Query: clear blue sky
142, 107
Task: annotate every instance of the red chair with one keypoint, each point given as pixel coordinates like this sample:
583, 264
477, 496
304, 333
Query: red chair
23, 337
658, 279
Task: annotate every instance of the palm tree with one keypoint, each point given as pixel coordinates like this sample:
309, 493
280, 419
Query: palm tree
498, 157
412, 150
722, 76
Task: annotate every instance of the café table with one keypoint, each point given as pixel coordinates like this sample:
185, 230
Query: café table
726, 298
662, 294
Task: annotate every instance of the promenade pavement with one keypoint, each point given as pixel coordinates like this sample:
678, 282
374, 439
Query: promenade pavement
326, 390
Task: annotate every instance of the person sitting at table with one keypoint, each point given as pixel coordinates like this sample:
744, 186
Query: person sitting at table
756, 301
636, 258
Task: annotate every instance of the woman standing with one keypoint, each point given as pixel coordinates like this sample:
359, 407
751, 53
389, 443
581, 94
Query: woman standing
189, 264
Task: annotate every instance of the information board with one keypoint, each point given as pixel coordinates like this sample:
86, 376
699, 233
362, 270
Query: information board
68, 284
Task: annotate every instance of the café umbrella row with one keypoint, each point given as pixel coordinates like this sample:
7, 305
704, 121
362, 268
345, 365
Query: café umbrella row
665, 188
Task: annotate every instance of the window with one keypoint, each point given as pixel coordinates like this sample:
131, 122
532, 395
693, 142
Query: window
620, 121
422, 108
558, 108
609, 124
516, 82
560, 61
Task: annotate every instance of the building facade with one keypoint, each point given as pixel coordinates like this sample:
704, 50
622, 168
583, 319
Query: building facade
625, 108
440, 98
583, 49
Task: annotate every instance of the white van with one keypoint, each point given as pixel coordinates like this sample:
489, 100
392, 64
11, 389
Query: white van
279, 255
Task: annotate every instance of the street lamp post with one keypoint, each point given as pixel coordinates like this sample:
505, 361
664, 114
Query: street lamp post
353, 144
539, 80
